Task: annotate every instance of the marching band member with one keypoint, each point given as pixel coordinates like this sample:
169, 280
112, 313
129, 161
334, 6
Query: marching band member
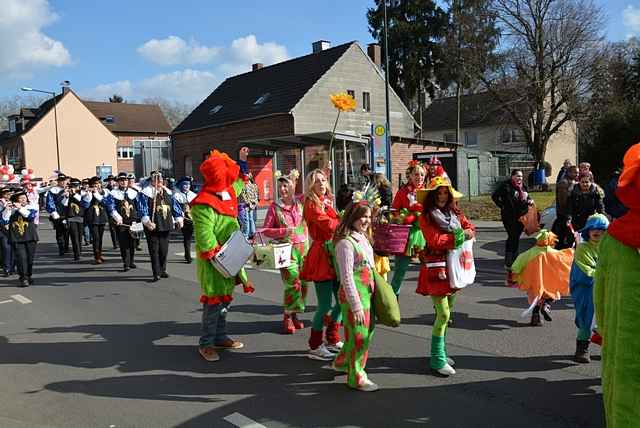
96, 215
56, 210
183, 195
20, 216
74, 213
122, 206
158, 211
5, 239
131, 178
109, 186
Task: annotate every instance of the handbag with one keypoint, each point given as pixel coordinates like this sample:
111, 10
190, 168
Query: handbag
460, 266
233, 255
531, 220
271, 255
385, 302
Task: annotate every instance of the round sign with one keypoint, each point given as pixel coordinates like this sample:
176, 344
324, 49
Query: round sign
379, 130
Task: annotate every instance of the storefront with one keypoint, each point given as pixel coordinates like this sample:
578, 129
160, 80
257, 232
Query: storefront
306, 153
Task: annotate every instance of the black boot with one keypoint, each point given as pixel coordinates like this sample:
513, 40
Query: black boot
535, 317
545, 308
582, 352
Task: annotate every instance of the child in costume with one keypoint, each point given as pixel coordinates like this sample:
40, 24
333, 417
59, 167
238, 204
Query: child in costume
543, 272
214, 212
354, 256
322, 221
406, 199
284, 222
445, 228
617, 302
581, 282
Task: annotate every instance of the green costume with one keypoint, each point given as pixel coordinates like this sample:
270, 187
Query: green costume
352, 359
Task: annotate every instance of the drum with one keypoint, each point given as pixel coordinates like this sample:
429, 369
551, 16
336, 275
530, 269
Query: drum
136, 230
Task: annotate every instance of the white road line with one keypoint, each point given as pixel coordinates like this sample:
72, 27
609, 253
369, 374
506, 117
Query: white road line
242, 421
6, 301
21, 299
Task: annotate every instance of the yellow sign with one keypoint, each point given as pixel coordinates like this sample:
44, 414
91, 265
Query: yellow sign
379, 130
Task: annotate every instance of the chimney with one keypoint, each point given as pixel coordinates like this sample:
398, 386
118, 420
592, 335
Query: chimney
65, 89
257, 66
66, 86
320, 45
375, 53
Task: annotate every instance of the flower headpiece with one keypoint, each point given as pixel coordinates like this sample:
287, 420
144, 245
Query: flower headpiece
292, 177
414, 163
370, 198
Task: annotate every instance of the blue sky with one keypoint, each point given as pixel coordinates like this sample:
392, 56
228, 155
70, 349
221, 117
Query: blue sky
180, 50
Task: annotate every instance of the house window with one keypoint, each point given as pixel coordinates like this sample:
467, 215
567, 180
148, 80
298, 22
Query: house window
470, 138
215, 109
109, 119
366, 101
12, 126
351, 93
449, 137
125, 152
262, 99
188, 166
513, 136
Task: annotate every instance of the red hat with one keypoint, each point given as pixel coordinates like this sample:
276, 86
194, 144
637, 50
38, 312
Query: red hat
434, 160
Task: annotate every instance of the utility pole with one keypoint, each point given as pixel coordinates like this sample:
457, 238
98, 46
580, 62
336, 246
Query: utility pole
386, 90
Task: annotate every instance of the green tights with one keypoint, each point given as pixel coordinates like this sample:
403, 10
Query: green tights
401, 264
444, 306
324, 291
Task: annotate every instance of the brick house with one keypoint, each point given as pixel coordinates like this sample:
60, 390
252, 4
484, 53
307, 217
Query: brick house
136, 126
492, 144
283, 114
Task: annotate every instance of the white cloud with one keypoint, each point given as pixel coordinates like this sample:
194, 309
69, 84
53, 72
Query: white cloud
187, 86
24, 47
174, 50
631, 19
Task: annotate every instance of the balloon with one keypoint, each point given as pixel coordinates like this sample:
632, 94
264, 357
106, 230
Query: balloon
3, 169
29, 171
10, 169
5, 177
24, 172
31, 176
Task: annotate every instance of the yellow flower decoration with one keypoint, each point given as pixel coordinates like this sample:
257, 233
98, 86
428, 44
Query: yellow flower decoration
343, 102
277, 174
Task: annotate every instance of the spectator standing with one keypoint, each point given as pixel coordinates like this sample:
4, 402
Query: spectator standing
563, 191
563, 171
512, 197
612, 205
584, 201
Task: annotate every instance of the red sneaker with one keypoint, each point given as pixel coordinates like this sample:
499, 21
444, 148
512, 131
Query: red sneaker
287, 325
299, 325
596, 338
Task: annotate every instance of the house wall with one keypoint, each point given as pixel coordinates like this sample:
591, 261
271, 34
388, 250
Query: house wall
353, 71
197, 144
401, 154
561, 146
84, 142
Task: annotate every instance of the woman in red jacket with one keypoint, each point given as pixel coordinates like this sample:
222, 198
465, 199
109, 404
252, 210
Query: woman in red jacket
445, 228
322, 221
406, 199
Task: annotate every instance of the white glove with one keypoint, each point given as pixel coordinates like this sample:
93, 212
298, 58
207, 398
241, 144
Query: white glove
55, 215
24, 212
151, 226
180, 222
117, 217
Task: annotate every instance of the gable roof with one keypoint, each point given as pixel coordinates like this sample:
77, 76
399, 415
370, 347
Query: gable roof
285, 83
127, 117
476, 110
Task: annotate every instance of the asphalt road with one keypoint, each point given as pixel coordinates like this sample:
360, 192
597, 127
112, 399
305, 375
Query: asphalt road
91, 346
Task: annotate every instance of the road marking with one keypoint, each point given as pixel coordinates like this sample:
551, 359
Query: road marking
6, 301
242, 421
21, 299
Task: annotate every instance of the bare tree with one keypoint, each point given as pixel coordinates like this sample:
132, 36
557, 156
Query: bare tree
116, 99
12, 105
174, 111
549, 51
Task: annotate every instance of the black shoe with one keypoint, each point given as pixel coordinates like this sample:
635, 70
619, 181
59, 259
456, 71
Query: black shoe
582, 352
126, 268
138, 248
76, 258
132, 265
30, 280
24, 282
5, 273
545, 309
535, 320
155, 279
164, 275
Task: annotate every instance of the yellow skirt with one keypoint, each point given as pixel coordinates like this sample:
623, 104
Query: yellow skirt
382, 265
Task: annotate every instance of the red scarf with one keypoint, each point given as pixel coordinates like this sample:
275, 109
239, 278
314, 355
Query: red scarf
519, 189
211, 199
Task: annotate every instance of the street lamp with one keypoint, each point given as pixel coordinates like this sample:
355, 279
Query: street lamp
55, 116
386, 91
